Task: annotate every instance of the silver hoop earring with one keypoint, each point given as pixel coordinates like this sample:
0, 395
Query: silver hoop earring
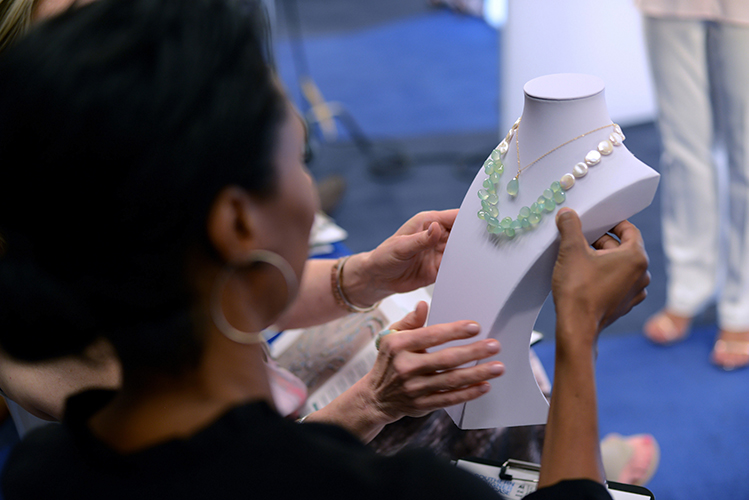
217, 311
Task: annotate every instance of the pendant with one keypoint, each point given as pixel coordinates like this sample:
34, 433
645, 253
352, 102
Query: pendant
513, 186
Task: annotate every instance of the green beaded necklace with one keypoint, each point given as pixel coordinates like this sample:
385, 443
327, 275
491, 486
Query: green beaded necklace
529, 217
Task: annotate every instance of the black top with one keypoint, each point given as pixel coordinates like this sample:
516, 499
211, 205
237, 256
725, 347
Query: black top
250, 453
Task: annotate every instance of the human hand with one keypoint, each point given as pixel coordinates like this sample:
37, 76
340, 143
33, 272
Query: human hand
406, 380
405, 261
595, 286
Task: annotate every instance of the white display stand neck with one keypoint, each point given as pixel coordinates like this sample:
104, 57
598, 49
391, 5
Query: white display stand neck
502, 283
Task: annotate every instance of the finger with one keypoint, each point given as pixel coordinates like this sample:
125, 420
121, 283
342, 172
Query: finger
453, 357
423, 338
627, 233
414, 319
446, 218
606, 242
437, 400
409, 245
452, 380
570, 231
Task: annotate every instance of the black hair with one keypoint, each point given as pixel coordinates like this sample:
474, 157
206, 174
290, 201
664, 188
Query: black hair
120, 121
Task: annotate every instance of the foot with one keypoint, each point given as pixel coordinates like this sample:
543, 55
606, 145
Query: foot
630, 460
666, 327
731, 350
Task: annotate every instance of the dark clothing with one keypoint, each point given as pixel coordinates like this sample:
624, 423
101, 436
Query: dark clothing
250, 453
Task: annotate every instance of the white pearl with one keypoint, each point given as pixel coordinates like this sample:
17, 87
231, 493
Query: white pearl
516, 124
580, 170
614, 138
503, 147
592, 158
618, 130
508, 137
567, 181
605, 148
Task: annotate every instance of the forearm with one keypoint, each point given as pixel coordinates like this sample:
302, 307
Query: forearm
355, 411
315, 303
571, 447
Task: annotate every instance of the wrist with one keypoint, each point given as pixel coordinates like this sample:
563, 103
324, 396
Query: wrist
576, 334
364, 414
357, 283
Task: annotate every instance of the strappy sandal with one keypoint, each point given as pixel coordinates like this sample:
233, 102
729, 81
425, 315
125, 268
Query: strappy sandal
731, 353
666, 328
630, 459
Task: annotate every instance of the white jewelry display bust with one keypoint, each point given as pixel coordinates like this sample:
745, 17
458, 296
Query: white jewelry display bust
502, 283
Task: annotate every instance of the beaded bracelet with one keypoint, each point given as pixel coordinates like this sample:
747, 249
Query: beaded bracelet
336, 284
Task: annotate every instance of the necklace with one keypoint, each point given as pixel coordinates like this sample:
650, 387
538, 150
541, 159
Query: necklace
514, 185
530, 217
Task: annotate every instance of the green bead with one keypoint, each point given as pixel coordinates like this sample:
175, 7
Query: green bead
482, 215
534, 219
512, 187
541, 200
516, 224
496, 156
556, 187
492, 198
506, 222
499, 168
483, 194
559, 197
493, 211
492, 221
536, 208
549, 205
489, 166
510, 232
524, 213
485, 205
495, 177
488, 185
525, 223
548, 194
494, 229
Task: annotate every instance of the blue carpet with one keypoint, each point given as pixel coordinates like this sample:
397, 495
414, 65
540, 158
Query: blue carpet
698, 413
431, 74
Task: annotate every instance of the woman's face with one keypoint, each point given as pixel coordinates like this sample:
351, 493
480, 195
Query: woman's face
288, 215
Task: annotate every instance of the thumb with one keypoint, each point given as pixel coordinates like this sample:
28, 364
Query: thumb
418, 242
570, 230
414, 319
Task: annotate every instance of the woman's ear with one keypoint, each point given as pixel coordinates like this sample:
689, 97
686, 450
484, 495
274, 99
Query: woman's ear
230, 224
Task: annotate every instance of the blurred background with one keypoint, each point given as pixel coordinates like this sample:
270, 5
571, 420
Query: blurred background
407, 97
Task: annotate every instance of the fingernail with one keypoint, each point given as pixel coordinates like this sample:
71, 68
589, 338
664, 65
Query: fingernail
484, 388
430, 230
496, 369
492, 345
473, 328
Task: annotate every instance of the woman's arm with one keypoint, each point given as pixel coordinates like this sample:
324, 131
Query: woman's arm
591, 289
404, 262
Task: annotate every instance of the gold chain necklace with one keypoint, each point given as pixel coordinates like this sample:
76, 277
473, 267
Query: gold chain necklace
529, 217
514, 185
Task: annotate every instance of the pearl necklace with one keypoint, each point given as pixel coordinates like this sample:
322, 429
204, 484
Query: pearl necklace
530, 217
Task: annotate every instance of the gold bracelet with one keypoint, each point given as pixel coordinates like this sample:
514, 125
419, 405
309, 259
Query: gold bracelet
336, 284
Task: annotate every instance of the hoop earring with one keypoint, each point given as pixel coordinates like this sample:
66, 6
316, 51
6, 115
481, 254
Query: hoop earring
217, 311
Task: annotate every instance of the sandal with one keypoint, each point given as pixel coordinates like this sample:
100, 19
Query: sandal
731, 350
666, 328
631, 459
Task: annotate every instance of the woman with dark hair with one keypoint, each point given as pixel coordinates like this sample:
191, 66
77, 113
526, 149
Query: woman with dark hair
406, 261
154, 196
